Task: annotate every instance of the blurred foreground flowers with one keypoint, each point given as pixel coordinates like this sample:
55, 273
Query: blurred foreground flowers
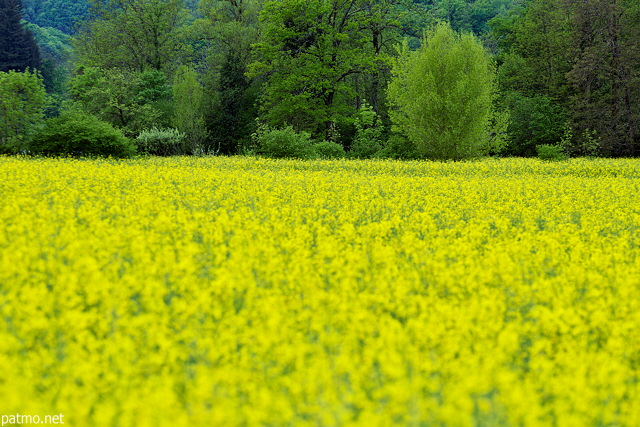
245, 291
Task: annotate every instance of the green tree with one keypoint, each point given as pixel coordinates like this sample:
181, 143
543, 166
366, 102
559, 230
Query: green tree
80, 134
56, 51
442, 95
188, 100
22, 102
534, 121
536, 49
383, 23
61, 15
134, 35
583, 56
18, 48
131, 101
605, 77
311, 52
225, 33
369, 134
471, 15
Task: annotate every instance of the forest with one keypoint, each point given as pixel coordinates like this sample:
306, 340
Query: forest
440, 79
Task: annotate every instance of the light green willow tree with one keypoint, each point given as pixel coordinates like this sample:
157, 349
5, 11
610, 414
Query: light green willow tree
188, 116
441, 96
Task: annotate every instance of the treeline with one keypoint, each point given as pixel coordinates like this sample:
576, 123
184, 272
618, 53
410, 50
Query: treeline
361, 78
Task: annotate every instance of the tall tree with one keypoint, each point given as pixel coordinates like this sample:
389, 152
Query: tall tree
536, 49
188, 117
129, 100
606, 74
583, 56
22, 101
18, 48
442, 95
135, 35
226, 29
535, 53
56, 51
384, 23
471, 15
310, 52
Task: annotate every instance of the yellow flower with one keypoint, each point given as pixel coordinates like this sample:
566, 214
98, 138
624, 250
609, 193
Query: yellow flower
249, 291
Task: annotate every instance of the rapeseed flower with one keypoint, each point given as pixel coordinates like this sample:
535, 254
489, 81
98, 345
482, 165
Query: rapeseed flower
249, 291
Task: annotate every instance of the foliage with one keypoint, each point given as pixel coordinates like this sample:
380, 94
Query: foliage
233, 111
22, 103
471, 15
188, 105
534, 121
485, 293
588, 144
62, 15
18, 48
78, 134
56, 52
133, 35
226, 31
583, 56
369, 134
550, 152
498, 139
536, 49
161, 142
311, 51
605, 78
329, 150
283, 143
131, 101
398, 147
442, 95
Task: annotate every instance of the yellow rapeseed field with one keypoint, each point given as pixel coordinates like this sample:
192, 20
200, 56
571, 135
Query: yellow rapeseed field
245, 291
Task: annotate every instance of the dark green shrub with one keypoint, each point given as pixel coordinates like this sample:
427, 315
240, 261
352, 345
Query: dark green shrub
284, 143
550, 152
364, 148
329, 150
398, 147
78, 134
161, 142
534, 121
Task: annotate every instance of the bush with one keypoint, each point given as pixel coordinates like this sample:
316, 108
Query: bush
161, 142
329, 150
535, 121
369, 130
78, 134
398, 147
283, 143
550, 152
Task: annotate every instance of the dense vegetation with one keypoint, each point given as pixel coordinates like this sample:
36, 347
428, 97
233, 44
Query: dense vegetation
243, 291
556, 72
351, 288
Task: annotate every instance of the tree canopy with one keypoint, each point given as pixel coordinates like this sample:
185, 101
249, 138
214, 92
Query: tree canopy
18, 48
63, 15
568, 73
443, 94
